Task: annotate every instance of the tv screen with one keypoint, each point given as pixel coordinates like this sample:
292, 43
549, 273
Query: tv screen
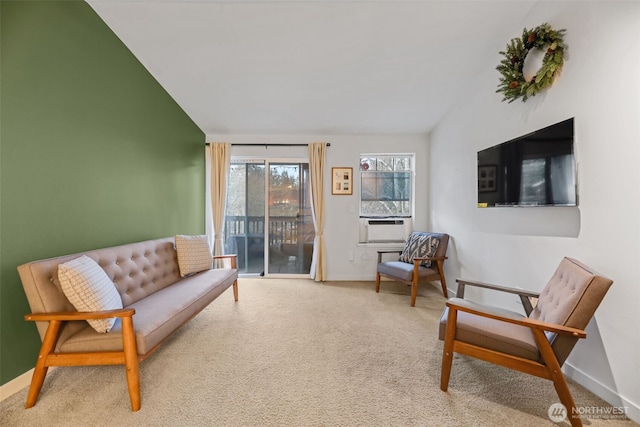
537, 169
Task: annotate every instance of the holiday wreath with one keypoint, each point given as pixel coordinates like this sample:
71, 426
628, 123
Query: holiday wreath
513, 84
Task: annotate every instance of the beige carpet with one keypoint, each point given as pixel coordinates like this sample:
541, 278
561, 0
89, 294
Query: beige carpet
300, 353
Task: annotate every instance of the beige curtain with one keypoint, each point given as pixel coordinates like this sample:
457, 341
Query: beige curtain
317, 154
220, 155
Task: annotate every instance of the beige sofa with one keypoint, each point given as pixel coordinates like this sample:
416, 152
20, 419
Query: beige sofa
156, 302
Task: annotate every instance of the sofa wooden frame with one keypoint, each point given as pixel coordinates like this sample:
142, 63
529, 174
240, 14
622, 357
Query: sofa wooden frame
128, 357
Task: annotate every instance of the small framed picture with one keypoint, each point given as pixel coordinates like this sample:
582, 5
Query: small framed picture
342, 181
487, 178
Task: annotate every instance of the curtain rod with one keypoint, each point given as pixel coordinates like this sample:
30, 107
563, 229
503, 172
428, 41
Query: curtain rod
273, 145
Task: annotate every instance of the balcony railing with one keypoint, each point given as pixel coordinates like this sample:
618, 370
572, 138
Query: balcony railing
288, 237
282, 229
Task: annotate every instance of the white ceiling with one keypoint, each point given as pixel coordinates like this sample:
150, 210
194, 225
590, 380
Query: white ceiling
315, 67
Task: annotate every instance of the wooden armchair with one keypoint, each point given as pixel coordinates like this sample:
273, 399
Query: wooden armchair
536, 344
421, 259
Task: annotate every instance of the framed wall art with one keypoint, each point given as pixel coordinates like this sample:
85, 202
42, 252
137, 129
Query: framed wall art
342, 181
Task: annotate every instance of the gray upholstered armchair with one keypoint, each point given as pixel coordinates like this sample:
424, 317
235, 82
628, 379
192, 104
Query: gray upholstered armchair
537, 343
422, 259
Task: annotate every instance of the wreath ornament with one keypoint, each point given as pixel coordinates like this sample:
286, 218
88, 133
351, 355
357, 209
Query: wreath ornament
513, 83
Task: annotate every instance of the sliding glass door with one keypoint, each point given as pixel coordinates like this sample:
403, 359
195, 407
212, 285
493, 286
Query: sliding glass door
268, 221
290, 234
244, 220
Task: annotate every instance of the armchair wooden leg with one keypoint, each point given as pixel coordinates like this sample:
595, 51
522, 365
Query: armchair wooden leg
443, 281
559, 382
377, 282
414, 292
131, 362
447, 351
41, 368
415, 278
562, 388
444, 289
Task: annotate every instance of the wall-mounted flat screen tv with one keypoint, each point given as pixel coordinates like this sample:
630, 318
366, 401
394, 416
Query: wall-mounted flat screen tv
537, 169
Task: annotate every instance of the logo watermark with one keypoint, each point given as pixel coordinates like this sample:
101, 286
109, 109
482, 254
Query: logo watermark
557, 412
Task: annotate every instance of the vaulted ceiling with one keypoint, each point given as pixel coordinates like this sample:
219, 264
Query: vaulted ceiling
315, 67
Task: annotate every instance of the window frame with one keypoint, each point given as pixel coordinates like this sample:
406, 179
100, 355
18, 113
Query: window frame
412, 177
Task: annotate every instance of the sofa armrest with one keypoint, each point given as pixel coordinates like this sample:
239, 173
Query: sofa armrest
79, 315
231, 257
48, 357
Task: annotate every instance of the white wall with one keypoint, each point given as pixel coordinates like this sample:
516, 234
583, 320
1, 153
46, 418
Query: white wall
342, 212
600, 87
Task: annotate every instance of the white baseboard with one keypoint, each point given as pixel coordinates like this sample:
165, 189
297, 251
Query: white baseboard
605, 393
15, 385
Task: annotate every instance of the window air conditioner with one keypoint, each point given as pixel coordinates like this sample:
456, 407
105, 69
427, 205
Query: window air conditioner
386, 230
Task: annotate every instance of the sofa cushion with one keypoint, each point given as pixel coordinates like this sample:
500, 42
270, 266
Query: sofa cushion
157, 315
419, 245
194, 254
88, 288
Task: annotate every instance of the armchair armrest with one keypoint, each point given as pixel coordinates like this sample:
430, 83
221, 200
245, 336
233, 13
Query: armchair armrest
79, 315
392, 251
525, 296
431, 258
557, 329
518, 291
504, 316
439, 264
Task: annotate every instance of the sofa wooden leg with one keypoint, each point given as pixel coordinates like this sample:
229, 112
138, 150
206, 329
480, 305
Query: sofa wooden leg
377, 282
37, 380
41, 368
131, 362
235, 290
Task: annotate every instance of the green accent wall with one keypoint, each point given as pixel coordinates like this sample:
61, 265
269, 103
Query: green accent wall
93, 153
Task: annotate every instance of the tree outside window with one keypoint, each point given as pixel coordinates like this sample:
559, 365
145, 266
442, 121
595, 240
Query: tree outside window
385, 189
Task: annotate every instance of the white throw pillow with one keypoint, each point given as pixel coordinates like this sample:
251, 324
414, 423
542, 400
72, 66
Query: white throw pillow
88, 288
194, 254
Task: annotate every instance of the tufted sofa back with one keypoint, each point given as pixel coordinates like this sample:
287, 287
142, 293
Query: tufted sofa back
570, 298
137, 270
